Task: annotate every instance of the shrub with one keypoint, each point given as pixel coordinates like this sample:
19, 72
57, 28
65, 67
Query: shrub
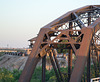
16, 74
6, 76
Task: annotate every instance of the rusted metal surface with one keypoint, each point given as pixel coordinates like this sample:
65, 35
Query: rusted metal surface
69, 64
82, 56
33, 39
54, 66
76, 30
43, 68
56, 61
88, 67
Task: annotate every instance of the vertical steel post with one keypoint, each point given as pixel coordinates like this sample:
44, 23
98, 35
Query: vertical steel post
89, 18
98, 56
88, 67
88, 57
43, 68
69, 64
70, 55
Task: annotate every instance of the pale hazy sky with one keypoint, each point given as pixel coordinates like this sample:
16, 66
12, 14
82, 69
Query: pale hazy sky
21, 20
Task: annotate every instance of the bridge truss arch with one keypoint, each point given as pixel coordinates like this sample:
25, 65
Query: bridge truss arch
79, 32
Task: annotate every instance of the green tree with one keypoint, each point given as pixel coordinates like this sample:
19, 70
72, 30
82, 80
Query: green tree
6, 76
16, 74
52, 79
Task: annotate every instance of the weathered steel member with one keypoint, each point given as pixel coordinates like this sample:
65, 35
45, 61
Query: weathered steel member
56, 61
88, 67
74, 31
69, 64
43, 68
54, 66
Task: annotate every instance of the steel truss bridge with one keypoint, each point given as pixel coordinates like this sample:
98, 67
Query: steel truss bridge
79, 32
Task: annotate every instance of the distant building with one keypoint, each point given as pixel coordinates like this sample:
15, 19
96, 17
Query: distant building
8, 50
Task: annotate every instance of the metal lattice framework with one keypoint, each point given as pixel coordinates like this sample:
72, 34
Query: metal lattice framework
79, 32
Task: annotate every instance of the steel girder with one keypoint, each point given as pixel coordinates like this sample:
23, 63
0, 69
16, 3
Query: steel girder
74, 30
